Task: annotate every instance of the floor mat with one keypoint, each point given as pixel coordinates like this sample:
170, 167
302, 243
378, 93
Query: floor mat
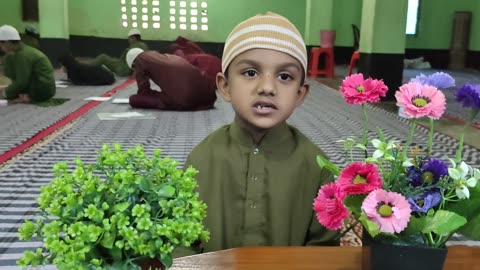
22, 121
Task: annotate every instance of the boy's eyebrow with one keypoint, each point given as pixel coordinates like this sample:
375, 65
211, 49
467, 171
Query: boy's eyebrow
256, 63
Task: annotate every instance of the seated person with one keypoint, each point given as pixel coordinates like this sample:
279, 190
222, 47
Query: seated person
31, 37
209, 64
181, 86
83, 74
258, 175
29, 70
118, 65
182, 46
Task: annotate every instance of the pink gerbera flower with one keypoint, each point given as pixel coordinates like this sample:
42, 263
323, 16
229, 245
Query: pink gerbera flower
359, 178
420, 100
390, 210
329, 206
357, 90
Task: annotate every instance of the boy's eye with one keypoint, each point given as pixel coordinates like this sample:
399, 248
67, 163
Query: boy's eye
250, 73
285, 76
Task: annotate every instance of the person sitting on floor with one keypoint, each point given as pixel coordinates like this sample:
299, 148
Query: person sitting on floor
31, 37
83, 74
118, 65
169, 82
183, 46
29, 70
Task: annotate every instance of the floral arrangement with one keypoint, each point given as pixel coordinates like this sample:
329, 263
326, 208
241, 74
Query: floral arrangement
119, 213
399, 193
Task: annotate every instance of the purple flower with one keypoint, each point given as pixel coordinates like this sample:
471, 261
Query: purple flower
427, 173
439, 80
469, 95
424, 202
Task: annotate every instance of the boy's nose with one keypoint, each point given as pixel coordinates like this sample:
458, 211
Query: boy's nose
267, 85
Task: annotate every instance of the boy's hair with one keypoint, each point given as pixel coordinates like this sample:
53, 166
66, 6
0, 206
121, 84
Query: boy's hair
265, 31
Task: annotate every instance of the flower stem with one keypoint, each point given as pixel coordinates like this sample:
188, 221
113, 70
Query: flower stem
365, 127
430, 138
348, 229
473, 114
413, 124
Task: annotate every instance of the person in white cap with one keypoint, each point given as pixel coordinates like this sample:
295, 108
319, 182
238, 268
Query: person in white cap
118, 65
169, 82
259, 175
29, 70
31, 37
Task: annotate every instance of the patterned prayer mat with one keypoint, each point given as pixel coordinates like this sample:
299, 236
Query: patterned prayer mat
324, 117
20, 122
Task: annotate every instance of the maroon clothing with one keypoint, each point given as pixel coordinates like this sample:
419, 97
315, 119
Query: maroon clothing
207, 63
183, 86
183, 46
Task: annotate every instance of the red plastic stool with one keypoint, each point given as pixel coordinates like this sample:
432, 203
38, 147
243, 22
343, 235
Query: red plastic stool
329, 69
353, 61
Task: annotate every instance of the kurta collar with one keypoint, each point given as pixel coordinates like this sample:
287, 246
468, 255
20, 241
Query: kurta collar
280, 134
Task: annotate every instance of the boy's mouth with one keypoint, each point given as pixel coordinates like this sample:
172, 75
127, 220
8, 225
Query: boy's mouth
262, 105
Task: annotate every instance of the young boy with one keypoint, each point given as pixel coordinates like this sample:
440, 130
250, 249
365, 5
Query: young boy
119, 65
29, 69
258, 175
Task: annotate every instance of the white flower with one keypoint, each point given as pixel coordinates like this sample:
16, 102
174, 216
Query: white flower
459, 176
382, 148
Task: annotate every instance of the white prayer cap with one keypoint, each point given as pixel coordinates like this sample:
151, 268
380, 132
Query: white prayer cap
8, 32
132, 55
133, 32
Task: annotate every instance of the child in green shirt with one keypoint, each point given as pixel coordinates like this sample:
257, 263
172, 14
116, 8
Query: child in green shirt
258, 175
29, 70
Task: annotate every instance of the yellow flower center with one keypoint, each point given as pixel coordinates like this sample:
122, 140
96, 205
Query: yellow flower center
385, 210
420, 101
360, 88
359, 180
427, 177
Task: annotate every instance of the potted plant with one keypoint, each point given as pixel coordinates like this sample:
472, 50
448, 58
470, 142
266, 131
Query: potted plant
125, 210
408, 202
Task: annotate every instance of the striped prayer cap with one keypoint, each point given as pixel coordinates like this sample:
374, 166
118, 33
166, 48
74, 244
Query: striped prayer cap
265, 31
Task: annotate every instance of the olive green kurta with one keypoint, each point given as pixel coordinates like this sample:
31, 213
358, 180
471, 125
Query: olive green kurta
31, 73
260, 195
119, 65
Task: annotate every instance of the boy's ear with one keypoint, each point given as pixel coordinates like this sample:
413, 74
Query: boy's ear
223, 86
302, 93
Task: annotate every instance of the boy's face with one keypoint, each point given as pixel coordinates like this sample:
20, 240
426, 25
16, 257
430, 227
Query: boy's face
264, 87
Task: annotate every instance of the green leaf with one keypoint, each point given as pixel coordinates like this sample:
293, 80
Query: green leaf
108, 240
354, 203
380, 134
121, 206
167, 260
361, 146
145, 185
443, 222
166, 191
469, 208
472, 229
325, 163
371, 227
415, 225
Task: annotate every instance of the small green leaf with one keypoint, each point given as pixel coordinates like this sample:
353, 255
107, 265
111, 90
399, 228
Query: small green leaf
354, 203
167, 260
121, 206
380, 134
369, 225
108, 240
443, 222
325, 163
166, 191
415, 225
361, 146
